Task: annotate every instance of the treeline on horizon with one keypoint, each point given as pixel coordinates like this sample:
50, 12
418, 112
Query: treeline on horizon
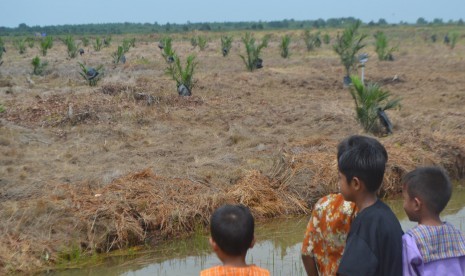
145, 28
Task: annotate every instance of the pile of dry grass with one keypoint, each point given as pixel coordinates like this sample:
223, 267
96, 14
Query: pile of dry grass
139, 208
310, 166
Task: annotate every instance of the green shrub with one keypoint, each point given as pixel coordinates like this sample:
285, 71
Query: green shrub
184, 77
38, 66
368, 99
2, 108
98, 44
20, 45
347, 46
226, 44
284, 46
71, 46
202, 42
91, 75
312, 41
381, 47
45, 44
252, 58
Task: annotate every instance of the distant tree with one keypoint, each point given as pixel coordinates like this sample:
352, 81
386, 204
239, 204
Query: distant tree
460, 22
438, 21
421, 21
382, 22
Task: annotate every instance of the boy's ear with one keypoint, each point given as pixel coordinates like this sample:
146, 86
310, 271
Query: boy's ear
213, 244
357, 183
417, 204
252, 243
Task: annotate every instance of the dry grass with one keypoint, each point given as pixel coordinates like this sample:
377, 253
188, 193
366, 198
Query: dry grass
266, 139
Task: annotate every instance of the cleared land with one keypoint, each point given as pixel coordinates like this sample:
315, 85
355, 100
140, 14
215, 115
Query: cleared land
118, 172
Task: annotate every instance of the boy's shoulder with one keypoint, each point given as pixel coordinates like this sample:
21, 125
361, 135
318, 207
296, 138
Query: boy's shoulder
379, 211
377, 220
438, 242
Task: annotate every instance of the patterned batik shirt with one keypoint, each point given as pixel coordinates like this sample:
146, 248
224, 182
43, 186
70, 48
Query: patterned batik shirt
327, 231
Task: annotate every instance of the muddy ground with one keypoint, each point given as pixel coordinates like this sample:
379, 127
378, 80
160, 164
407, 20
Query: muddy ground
278, 125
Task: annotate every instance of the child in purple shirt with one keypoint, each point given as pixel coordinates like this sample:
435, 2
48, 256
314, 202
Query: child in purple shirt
432, 247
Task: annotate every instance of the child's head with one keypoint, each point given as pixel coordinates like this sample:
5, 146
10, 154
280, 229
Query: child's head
232, 229
425, 187
363, 158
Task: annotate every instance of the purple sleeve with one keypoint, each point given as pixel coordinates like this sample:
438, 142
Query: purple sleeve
412, 264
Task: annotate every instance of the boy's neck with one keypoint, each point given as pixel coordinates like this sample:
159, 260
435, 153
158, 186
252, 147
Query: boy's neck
430, 220
366, 200
234, 261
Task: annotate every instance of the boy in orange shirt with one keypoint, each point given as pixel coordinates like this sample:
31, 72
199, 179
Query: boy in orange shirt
232, 234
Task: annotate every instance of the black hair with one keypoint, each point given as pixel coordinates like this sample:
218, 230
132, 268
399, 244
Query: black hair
431, 184
363, 157
232, 228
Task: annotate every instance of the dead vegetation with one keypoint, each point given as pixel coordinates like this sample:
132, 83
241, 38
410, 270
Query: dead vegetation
88, 170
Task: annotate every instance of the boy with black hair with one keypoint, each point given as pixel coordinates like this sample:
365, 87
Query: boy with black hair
232, 234
374, 242
432, 247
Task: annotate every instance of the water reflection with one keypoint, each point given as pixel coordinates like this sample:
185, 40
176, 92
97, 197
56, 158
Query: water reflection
277, 248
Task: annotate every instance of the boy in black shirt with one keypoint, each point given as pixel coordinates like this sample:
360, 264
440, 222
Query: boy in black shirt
374, 243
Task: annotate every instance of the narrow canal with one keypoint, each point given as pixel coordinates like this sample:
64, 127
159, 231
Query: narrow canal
277, 248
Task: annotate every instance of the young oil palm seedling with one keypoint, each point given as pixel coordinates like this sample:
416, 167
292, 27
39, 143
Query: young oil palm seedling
311, 40
226, 44
194, 42
30, 42
453, 39
71, 46
126, 45
284, 46
107, 41
38, 66
168, 52
326, 39
370, 103
347, 46
90, 74
46, 44
184, 76
118, 55
85, 41
252, 58
20, 45
202, 42
381, 47
98, 44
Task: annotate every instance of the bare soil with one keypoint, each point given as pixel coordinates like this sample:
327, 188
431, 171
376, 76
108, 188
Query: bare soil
100, 168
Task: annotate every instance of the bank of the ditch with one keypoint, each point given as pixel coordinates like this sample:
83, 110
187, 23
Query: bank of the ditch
143, 208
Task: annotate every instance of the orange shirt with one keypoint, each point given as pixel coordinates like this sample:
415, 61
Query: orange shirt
327, 231
251, 270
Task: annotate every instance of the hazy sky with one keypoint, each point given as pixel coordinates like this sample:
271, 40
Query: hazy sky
59, 12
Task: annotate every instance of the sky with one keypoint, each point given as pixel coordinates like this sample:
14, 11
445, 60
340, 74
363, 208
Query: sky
61, 12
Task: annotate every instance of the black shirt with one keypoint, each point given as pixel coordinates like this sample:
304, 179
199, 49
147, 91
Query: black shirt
374, 243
